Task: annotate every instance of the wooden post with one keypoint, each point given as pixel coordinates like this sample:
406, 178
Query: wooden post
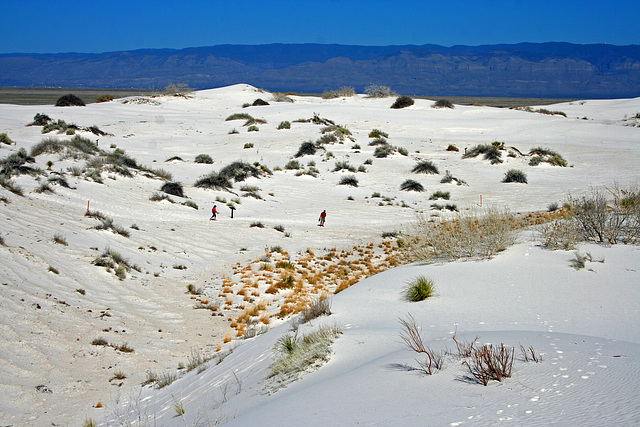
87, 206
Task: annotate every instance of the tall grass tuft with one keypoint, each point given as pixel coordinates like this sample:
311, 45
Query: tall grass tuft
425, 166
419, 289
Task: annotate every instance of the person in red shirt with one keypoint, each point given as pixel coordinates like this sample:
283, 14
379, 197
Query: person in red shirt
214, 213
323, 216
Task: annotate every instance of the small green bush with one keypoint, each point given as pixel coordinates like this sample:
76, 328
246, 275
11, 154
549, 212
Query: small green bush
4, 139
214, 181
515, 175
104, 98
284, 125
452, 147
253, 128
440, 195
442, 103
292, 165
307, 148
383, 150
402, 102
69, 100
376, 133
411, 185
239, 116
40, 120
343, 165
425, 166
204, 158
349, 180
173, 188
419, 289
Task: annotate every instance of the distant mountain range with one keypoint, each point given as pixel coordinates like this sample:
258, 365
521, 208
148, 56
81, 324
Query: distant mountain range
549, 70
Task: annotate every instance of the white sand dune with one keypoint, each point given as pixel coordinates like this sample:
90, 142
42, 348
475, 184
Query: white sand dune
585, 323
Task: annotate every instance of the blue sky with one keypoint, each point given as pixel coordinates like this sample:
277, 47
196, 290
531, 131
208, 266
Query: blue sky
52, 26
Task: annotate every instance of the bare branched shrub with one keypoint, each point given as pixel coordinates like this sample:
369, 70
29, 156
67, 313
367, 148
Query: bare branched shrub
465, 348
343, 92
378, 91
412, 339
529, 354
615, 220
560, 234
488, 363
470, 235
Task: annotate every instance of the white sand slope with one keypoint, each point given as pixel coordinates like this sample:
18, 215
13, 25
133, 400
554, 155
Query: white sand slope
584, 323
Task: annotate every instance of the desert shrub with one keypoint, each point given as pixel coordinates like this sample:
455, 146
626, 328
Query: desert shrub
104, 98
383, 150
259, 102
248, 145
297, 354
257, 224
343, 165
82, 145
349, 180
239, 171
69, 100
320, 307
292, 165
490, 363
413, 341
327, 139
378, 91
403, 151
239, 116
40, 120
343, 92
203, 158
4, 139
560, 234
281, 97
215, 181
442, 103
16, 164
411, 185
284, 125
177, 89
612, 221
452, 147
253, 128
440, 195
402, 102
377, 133
378, 141
173, 188
425, 166
47, 146
234, 132
307, 148
419, 289
515, 175
490, 152
470, 235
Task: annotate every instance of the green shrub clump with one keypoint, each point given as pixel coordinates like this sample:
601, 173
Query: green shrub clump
419, 289
402, 102
411, 185
425, 166
204, 158
69, 100
442, 103
515, 175
284, 125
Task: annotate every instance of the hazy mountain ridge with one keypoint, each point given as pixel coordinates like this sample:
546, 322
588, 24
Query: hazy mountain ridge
521, 70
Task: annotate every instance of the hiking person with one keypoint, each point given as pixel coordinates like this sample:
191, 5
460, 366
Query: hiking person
322, 218
214, 213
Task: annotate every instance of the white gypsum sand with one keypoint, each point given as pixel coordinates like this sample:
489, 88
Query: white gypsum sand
583, 322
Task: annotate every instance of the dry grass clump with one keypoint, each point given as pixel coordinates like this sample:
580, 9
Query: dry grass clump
470, 235
294, 354
343, 92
